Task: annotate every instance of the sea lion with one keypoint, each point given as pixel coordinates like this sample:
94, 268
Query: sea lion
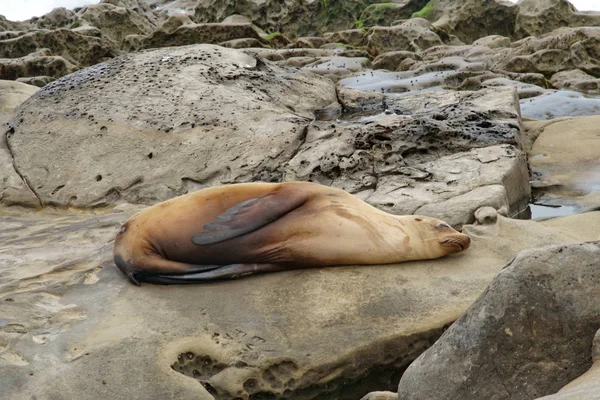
234, 230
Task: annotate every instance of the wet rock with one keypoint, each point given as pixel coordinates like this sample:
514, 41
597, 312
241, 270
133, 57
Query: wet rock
565, 162
488, 352
414, 35
76, 48
170, 137
538, 17
559, 103
576, 80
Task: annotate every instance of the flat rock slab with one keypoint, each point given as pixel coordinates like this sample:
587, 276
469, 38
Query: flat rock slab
73, 327
528, 335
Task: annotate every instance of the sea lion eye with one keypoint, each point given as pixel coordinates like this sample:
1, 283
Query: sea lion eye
123, 229
442, 226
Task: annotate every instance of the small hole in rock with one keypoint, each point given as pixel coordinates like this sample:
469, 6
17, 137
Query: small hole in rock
98, 178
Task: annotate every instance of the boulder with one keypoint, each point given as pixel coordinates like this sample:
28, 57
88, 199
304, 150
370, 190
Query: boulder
59, 17
352, 37
39, 81
528, 335
413, 35
158, 112
493, 41
391, 60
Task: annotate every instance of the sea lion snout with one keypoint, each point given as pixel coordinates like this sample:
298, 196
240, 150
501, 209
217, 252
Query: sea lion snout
456, 243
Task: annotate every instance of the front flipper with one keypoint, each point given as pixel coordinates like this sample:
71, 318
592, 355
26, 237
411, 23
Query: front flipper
231, 271
250, 215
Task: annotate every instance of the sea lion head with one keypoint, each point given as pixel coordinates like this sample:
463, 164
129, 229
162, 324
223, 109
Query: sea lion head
440, 238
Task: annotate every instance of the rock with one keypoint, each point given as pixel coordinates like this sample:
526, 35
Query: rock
307, 43
460, 210
385, 13
587, 386
575, 79
358, 101
538, 17
39, 81
352, 37
559, 103
488, 352
486, 215
391, 60
339, 66
41, 62
493, 41
413, 35
158, 112
173, 22
59, 17
117, 22
63, 297
565, 160
197, 33
13, 189
408, 157
381, 396
470, 20
242, 43
76, 48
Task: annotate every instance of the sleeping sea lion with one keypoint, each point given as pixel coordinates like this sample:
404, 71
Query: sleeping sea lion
234, 230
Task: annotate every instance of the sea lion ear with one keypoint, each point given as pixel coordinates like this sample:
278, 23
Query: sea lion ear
250, 215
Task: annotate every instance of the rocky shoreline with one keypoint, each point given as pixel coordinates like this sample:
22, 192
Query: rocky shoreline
477, 114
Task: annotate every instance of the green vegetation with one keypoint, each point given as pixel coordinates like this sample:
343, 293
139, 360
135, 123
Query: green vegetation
425, 12
373, 15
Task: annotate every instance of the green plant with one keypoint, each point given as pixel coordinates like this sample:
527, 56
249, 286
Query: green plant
425, 12
372, 15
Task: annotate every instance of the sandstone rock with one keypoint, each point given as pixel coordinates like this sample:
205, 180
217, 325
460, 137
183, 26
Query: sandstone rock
59, 17
493, 41
358, 101
117, 22
565, 160
339, 66
170, 137
173, 22
575, 79
71, 318
267, 54
356, 53
39, 81
470, 20
381, 396
352, 37
307, 43
413, 35
13, 189
314, 53
538, 17
41, 62
198, 33
525, 337
242, 43
386, 13
392, 59
76, 48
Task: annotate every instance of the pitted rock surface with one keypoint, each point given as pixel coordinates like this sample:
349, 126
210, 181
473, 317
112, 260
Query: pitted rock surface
164, 122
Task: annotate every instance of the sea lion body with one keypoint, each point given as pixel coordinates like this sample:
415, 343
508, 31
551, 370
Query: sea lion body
232, 230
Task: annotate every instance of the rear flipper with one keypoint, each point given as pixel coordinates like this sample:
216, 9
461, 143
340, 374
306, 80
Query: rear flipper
231, 271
